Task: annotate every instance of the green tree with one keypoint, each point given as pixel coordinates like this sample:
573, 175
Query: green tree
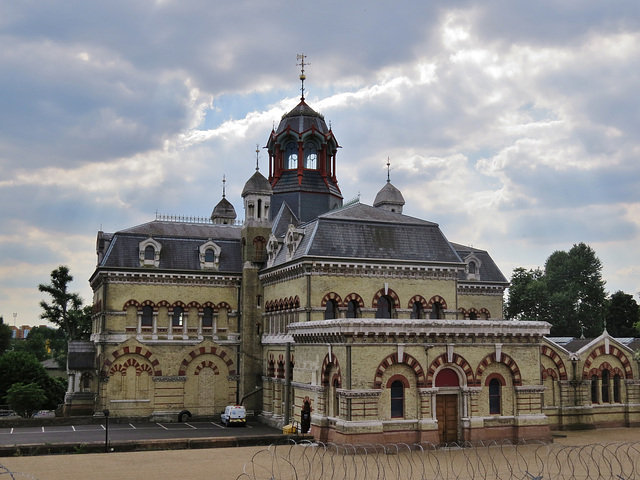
569, 293
65, 309
26, 399
623, 314
23, 367
527, 296
5, 336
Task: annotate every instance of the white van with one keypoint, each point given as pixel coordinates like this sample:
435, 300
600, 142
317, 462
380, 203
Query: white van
234, 415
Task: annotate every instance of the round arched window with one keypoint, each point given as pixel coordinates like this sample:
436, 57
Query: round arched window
291, 156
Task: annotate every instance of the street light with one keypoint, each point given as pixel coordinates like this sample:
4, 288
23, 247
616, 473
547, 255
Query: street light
106, 438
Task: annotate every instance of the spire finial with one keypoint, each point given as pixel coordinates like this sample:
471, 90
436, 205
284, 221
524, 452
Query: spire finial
388, 170
224, 186
301, 58
257, 153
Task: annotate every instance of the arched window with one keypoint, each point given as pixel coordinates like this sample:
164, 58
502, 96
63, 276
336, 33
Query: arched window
149, 253
495, 396
331, 311
336, 398
178, 314
310, 156
147, 316
207, 317
209, 255
384, 307
605, 386
594, 389
437, 312
353, 309
417, 311
291, 156
473, 316
397, 399
616, 388
472, 267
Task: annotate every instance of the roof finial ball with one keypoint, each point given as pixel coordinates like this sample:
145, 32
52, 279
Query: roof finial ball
300, 57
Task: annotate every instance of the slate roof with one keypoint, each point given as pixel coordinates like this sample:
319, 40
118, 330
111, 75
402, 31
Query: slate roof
301, 119
283, 219
489, 271
364, 232
223, 210
388, 195
573, 344
180, 245
312, 181
257, 184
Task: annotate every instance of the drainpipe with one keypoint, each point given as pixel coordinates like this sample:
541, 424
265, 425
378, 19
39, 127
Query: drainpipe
287, 382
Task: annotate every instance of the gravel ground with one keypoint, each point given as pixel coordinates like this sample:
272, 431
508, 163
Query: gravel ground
206, 464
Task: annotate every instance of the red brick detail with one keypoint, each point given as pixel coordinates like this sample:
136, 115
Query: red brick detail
331, 296
456, 360
555, 358
505, 359
353, 296
128, 350
392, 360
131, 303
417, 299
439, 299
614, 351
390, 293
196, 352
207, 364
324, 371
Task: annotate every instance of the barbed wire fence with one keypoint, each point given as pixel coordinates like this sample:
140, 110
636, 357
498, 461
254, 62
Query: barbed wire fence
503, 461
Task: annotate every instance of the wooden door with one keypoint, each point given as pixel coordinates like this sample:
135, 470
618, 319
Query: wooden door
447, 416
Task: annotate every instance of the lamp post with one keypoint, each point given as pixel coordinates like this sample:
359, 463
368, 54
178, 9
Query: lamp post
106, 438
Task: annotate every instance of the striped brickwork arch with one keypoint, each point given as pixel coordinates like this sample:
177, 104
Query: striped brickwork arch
324, 372
597, 372
207, 364
331, 296
353, 296
132, 350
417, 299
196, 352
393, 360
555, 358
456, 360
439, 299
506, 360
390, 293
613, 350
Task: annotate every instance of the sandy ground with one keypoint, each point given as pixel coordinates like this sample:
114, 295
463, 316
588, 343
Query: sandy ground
222, 463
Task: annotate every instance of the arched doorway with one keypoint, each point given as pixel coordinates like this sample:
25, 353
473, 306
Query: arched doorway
447, 405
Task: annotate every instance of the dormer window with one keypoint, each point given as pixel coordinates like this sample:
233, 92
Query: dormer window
273, 246
209, 255
310, 156
149, 253
292, 239
291, 156
473, 267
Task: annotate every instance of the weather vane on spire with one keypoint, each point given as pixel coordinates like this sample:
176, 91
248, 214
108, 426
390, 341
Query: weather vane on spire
224, 186
300, 57
388, 170
257, 153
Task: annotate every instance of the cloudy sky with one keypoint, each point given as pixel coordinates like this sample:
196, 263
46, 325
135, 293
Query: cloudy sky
514, 125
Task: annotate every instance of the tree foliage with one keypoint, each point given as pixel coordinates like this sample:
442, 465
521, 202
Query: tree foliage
5, 336
569, 293
65, 309
623, 315
23, 367
26, 399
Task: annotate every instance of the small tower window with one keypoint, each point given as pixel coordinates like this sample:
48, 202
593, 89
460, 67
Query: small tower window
472, 267
417, 311
384, 307
291, 156
310, 156
331, 310
209, 255
353, 309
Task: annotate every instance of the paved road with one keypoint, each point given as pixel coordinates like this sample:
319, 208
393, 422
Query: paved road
128, 431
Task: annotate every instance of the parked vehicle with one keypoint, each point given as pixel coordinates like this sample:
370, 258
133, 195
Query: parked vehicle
234, 415
44, 414
8, 413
